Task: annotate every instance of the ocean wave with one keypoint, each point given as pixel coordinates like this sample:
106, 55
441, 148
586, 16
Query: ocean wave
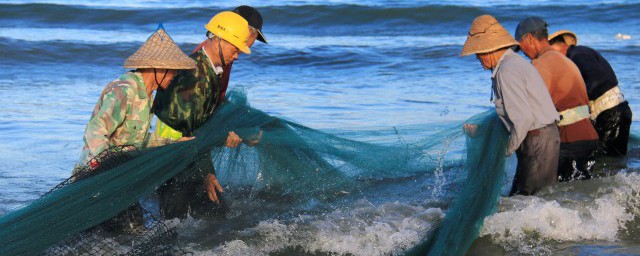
600, 209
364, 229
289, 41
380, 18
107, 47
145, 4
88, 36
28, 52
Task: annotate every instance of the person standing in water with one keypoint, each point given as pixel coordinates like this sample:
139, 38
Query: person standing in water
579, 139
189, 102
122, 116
610, 112
522, 102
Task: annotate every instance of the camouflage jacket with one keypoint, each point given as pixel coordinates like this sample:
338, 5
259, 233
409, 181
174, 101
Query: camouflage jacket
191, 97
121, 117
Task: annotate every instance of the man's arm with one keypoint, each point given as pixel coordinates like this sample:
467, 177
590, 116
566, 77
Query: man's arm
155, 140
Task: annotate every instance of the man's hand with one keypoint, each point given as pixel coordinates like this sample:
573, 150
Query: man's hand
254, 140
93, 164
233, 140
470, 129
212, 186
185, 139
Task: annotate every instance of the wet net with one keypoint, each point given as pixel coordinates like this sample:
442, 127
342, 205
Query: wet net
113, 209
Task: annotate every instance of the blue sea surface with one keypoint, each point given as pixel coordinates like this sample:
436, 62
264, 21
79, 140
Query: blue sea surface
330, 65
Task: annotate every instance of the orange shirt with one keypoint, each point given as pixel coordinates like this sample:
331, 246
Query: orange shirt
567, 88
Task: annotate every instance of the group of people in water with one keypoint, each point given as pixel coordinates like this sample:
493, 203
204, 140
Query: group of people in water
188, 89
562, 109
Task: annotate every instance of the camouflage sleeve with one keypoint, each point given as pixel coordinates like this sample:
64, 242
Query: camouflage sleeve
190, 99
174, 105
108, 116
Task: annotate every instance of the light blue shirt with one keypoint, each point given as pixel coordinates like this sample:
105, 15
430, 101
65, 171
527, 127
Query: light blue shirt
522, 100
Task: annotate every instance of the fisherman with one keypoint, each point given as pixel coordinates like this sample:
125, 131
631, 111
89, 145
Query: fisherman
522, 103
610, 112
578, 138
122, 116
254, 19
228, 33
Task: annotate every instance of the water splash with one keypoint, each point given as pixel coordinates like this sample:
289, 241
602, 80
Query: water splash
573, 212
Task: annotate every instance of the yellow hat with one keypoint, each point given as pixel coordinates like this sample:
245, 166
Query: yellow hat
486, 35
231, 27
569, 37
160, 52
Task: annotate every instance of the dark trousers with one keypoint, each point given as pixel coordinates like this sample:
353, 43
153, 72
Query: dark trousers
186, 193
576, 160
537, 161
613, 127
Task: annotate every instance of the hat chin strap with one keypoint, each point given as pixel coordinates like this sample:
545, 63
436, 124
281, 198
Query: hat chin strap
220, 52
155, 76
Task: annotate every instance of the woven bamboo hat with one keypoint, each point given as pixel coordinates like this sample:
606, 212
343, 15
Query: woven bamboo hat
486, 35
160, 51
569, 37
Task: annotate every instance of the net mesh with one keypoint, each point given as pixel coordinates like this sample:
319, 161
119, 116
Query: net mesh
109, 209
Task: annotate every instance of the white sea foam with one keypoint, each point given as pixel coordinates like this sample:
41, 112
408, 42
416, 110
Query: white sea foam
363, 230
235, 247
531, 224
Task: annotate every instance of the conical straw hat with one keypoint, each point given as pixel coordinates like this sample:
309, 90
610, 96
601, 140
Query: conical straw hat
486, 35
160, 52
569, 37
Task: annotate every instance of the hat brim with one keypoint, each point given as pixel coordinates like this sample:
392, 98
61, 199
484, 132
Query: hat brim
486, 35
569, 37
261, 37
479, 46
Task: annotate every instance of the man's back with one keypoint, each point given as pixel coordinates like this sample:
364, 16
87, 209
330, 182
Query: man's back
598, 75
567, 89
562, 78
522, 101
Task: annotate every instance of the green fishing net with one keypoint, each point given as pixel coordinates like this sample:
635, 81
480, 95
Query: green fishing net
291, 161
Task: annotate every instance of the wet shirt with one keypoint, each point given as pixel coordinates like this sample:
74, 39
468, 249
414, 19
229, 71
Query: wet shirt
121, 117
595, 69
521, 98
567, 89
191, 97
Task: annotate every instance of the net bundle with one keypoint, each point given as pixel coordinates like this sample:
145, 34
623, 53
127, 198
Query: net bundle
83, 215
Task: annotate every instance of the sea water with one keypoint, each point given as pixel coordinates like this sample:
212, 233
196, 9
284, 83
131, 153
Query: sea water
330, 65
